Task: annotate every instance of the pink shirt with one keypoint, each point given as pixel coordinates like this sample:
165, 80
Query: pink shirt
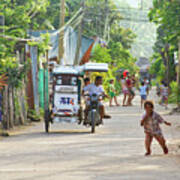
152, 124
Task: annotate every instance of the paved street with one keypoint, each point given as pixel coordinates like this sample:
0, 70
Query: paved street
70, 152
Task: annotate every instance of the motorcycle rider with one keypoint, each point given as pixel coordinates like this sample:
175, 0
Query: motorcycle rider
96, 88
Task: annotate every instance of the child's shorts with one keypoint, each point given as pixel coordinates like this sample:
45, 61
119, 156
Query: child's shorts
143, 97
111, 94
165, 98
125, 91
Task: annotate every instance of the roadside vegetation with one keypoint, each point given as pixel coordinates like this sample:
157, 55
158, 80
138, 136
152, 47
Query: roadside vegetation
166, 15
100, 19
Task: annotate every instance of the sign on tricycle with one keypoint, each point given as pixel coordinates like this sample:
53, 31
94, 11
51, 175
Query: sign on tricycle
65, 104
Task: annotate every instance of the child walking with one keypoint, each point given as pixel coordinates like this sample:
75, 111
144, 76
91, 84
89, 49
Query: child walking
143, 93
151, 121
165, 94
112, 93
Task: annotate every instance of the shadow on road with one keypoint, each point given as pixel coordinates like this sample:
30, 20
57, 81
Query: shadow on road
51, 134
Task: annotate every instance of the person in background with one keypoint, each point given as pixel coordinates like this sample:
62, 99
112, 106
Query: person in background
143, 93
97, 88
125, 74
165, 94
112, 93
147, 83
124, 90
86, 81
151, 121
133, 89
158, 90
131, 93
161, 102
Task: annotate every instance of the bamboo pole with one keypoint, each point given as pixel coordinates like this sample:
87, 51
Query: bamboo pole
61, 35
105, 34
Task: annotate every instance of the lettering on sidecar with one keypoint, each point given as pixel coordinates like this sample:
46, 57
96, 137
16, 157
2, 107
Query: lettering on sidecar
66, 101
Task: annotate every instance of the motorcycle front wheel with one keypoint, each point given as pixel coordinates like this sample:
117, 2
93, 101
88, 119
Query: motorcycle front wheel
93, 124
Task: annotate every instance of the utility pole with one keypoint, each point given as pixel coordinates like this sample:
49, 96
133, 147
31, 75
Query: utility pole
61, 35
79, 40
106, 20
142, 5
178, 75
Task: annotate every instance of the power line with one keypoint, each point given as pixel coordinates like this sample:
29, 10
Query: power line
136, 20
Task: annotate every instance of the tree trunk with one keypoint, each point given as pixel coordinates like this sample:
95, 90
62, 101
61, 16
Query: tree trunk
5, 120
167, 64
165, 57
21, 118
61, 35
24, 102
11, 108
15, 117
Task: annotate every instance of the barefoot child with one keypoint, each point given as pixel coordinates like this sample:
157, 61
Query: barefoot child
151, 121
112, 93
143, 93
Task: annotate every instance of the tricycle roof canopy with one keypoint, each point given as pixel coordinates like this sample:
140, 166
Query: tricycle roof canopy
96, 67
78, 70
65, 70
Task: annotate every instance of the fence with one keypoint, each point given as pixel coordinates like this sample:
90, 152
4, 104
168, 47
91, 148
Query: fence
14, 107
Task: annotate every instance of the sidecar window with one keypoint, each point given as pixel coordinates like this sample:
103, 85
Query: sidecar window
66, 80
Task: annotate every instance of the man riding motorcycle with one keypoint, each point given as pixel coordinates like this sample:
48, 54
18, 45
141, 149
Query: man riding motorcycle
96, 88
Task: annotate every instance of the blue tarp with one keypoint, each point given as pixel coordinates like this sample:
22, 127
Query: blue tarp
70, 43
34, 66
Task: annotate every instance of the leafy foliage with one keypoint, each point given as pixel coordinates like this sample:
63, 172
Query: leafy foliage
44, 14
19, 17
166, 14
101, 54
174, 96
13, 71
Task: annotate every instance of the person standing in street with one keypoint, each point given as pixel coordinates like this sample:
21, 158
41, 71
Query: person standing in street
143, 93
133, 89
131, 93
151, 121
165, 94
124, 90
147, 83
112, 93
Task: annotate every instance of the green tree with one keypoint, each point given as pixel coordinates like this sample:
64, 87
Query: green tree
19, 17
166, 14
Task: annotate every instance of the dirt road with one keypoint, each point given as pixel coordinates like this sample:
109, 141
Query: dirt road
70, 152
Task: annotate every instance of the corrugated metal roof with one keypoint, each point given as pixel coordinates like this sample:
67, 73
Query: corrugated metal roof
70, 43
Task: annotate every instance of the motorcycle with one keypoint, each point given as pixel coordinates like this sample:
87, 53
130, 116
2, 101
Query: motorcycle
93, 116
